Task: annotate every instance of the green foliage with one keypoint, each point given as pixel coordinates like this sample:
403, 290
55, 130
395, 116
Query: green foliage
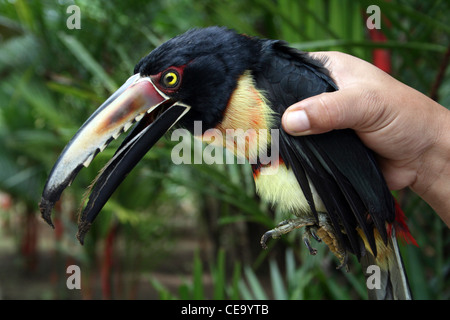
53, 78
296, 282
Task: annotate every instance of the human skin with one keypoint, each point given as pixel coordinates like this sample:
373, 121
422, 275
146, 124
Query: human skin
408, 131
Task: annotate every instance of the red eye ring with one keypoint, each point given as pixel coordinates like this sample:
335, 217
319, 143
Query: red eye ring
170, 79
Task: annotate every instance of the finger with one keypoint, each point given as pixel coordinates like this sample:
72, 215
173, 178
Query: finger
324, 112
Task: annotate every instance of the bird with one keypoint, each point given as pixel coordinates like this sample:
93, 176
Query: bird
330, 184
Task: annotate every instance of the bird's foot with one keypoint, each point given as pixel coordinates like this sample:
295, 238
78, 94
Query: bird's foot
286, 226
326, 233
320, 232
310, 232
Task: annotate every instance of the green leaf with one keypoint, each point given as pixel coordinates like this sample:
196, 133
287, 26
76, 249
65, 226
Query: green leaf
198, 291
218, 275
255, 285
278, 287
80, 52
234, 290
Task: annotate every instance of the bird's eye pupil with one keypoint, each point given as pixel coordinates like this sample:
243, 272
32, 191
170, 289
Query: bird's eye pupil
170, 79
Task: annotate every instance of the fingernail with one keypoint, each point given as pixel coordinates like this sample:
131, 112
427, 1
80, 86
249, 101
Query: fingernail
296, 121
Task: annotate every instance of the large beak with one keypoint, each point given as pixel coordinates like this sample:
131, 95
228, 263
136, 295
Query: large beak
137, 100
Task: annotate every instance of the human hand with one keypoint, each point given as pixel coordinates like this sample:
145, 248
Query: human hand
409, 132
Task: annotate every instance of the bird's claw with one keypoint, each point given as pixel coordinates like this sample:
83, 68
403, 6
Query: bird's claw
307, 235
284, 227
344, 262
266, 236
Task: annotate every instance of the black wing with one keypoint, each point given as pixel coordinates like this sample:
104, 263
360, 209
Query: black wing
343, 171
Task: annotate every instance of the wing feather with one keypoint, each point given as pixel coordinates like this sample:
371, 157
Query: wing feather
342, 170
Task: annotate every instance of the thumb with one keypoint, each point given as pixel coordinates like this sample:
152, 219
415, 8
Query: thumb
325, 112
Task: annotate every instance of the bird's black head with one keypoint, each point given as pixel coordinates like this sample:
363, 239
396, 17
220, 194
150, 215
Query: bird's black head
189, 78
207, 64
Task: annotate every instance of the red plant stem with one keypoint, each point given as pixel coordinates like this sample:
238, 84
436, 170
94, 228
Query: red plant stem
107, 262
380, 57
29, 241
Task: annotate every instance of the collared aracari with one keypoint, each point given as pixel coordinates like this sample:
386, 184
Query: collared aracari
330, 183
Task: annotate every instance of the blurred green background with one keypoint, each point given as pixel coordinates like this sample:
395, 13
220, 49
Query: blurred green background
187, 231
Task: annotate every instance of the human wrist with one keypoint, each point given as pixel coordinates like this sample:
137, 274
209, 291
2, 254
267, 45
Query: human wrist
432, 182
